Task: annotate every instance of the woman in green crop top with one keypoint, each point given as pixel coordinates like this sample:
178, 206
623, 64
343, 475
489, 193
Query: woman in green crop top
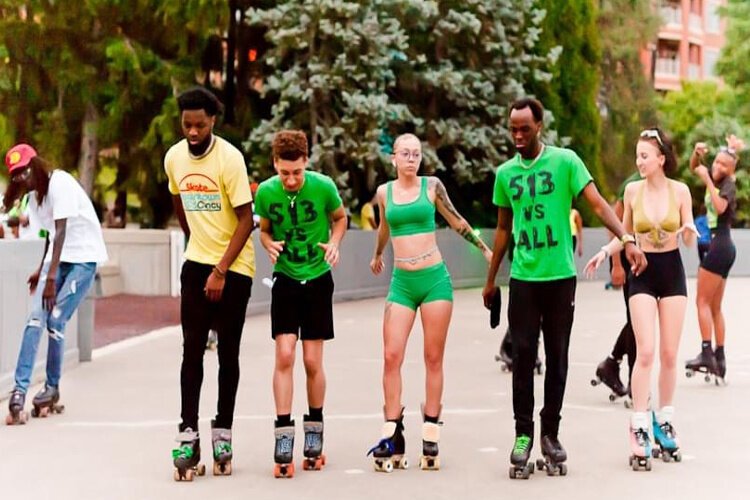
420, 280
659, 211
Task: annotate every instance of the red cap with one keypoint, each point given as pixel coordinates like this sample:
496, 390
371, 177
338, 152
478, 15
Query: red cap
19, 156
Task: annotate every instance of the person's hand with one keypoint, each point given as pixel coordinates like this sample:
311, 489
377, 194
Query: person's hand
48, 294
376, 264
734, 142
690, 228
593, 264
580, 250
274, 249
488, 294
617, 276
702, 173
487, 253
214, 286
636, 258
332, 252
700, 149
33, 281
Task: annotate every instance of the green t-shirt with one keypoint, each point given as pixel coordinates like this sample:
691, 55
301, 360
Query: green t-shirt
540, 197
301, 220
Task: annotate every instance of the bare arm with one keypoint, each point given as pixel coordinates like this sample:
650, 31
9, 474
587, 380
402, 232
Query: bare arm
239, 238
502, 237
579, 231
179, 210
273, 248
451, 215
384, 234
49, 293
338, 228
688, 230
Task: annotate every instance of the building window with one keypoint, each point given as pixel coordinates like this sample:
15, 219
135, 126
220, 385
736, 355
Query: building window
710, 58
713, 19
671, 12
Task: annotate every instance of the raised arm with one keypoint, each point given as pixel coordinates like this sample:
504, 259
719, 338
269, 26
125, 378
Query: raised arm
454, 219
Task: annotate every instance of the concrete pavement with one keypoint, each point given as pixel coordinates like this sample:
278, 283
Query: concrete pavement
115, 439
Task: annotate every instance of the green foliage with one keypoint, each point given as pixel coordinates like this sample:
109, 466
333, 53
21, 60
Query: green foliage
732, 65
570, 28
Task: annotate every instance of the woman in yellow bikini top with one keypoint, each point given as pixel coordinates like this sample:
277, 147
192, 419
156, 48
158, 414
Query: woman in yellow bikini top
657, 234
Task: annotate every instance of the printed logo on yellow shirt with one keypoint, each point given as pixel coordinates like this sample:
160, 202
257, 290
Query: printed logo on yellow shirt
200, 193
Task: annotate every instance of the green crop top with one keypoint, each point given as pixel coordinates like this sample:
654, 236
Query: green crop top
415, 217
642, 224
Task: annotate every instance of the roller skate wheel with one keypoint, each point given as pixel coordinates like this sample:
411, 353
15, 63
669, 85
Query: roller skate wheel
677, 456
707, 378
688, 374
429, 463
283, 470
612, 398
384, 466
401, 463
497, 357
222, 469
563, 470
666, 458
648, 464
594, 382
539, 464
314, 463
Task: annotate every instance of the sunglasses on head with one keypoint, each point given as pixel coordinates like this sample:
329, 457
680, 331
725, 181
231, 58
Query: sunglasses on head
652, 133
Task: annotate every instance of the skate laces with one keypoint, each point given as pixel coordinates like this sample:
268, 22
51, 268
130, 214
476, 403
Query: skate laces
312, 439
385, 442
641, 437
222, 447
521, 445
285, 444
667, 430
184, 451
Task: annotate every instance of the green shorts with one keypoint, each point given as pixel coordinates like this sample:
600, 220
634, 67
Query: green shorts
413, 288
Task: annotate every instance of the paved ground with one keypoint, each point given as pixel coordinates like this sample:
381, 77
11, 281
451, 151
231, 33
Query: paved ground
114, 440
124, 316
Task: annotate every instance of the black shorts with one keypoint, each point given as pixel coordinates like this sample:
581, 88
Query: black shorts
664, 276
720, 256
304, 308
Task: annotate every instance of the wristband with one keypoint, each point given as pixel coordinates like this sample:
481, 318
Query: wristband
627, 238
219, 272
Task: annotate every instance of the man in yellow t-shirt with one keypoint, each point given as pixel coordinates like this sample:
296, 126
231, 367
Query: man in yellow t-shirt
212, 199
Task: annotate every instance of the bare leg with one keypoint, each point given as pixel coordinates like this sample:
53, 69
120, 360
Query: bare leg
708, 287
436, 317
397, 323
643, 315
671, 319
717, 315
312, 354
283, 373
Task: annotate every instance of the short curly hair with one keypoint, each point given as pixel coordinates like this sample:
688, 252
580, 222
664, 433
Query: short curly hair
289, 145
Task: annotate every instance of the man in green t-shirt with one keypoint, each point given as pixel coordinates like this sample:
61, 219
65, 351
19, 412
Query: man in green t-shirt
302, 222
534, 191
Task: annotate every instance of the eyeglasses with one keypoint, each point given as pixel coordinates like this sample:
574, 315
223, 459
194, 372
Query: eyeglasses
652, 133
22, 176
405, 155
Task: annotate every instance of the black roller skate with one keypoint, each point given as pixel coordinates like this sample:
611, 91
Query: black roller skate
389, 452
188, 456
221, 442
505, 356
313, 450
705, 363
608, 373
554, 457
16, 413
45, 402
520, 467
721, 366
283, 454
430, 459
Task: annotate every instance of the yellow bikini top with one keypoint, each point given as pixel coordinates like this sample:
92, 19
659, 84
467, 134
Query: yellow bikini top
656, 232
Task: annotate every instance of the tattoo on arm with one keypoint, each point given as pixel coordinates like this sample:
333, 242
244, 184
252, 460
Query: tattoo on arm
464, 229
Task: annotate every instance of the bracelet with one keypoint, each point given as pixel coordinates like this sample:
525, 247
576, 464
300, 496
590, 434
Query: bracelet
219, 272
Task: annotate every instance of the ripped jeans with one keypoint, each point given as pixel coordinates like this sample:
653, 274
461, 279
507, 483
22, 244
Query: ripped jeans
71, 286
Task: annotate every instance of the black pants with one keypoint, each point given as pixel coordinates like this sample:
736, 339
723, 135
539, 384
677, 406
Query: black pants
548, 305
198, 315
625, 343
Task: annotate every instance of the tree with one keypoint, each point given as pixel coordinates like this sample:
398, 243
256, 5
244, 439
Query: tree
354, 74
570, 28
732, 65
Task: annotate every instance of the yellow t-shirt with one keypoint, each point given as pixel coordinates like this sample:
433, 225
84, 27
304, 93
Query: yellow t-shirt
367, 212
210, 188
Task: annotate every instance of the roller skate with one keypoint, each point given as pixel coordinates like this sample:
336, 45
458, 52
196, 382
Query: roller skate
388, 454
640, 443
45, 402
188, 456
221, 442
721, 366
283, 452
666, 444
608, 373
16, 413
705, 363
212, 341
554, 457
313, 450
430, 460
520, 467
505, 356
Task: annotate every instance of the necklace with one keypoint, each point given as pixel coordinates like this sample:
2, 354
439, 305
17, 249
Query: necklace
533, 162
293, 198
